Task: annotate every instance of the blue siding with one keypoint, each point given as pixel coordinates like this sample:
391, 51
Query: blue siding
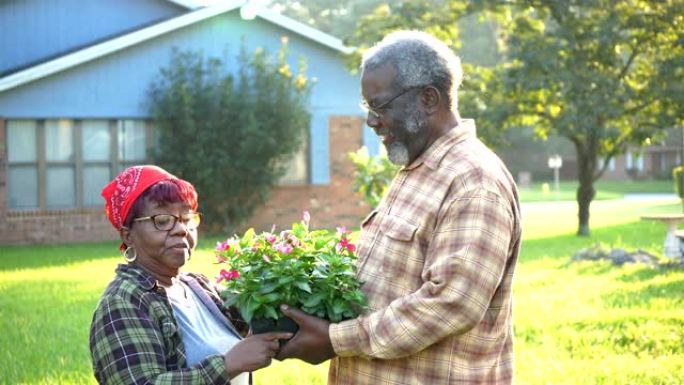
320, 149
31, 30
115, 86
371, 141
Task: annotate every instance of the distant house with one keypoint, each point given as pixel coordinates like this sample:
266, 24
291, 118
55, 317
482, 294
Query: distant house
528, 156
73, 81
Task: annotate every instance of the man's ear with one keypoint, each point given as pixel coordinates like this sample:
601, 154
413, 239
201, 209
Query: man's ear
126, 237
431, 98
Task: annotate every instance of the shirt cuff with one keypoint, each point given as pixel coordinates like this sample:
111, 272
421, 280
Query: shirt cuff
344, 337
214, 370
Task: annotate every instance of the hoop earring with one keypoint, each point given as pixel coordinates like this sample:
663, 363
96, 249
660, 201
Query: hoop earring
128, 258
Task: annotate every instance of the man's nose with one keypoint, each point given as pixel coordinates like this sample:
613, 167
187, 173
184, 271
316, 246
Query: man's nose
372, 120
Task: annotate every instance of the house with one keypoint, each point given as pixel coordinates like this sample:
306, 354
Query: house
527, 158
73, 83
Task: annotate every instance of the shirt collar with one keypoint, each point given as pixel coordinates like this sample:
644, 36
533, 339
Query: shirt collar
437, 150
138, 275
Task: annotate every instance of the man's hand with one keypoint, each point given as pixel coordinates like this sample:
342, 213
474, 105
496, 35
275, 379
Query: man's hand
312, 341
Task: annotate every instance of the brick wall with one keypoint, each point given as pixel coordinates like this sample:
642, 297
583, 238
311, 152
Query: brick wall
330, 205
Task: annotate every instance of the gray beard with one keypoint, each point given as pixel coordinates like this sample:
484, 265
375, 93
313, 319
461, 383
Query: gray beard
398, 154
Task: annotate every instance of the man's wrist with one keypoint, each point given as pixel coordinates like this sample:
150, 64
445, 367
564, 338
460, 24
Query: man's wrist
344, 338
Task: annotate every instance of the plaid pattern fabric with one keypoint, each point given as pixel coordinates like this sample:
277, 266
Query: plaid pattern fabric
436, 259
134, 337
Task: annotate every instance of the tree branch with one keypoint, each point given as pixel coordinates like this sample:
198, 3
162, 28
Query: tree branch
639, 107
624, 70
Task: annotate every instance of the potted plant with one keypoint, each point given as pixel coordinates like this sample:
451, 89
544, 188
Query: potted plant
310, 270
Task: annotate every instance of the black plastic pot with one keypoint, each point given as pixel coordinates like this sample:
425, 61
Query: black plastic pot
265, 325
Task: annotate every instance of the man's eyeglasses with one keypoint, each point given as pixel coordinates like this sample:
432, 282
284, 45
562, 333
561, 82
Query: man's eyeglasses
166, 222
376, 111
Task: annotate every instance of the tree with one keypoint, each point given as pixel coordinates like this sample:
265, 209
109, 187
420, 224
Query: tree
231, 135
604, 74
336, 17
481, 89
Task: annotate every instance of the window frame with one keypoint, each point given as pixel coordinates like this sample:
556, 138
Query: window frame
79, 164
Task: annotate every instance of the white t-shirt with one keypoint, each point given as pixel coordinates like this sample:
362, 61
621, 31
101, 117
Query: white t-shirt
202, 334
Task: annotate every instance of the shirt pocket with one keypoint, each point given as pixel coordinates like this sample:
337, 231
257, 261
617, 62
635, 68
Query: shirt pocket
401, 254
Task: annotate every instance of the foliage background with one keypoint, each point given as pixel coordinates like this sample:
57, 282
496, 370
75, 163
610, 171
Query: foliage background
604, 74
230, 134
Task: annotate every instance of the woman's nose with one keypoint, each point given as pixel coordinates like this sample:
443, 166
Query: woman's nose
180, 227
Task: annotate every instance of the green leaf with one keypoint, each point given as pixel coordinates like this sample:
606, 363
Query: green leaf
270, 312
285, 279
269, 298
303, 285
339, 306
313, 300
268, 288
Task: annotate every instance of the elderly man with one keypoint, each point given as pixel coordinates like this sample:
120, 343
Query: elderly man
437, 256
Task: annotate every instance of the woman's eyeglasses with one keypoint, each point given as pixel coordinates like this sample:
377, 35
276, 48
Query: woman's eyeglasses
166, 222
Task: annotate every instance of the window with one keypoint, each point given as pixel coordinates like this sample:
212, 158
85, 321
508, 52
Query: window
64, 163
611, 163
297, 172
634, 161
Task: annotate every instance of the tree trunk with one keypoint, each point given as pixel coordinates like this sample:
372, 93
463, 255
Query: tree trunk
586, 163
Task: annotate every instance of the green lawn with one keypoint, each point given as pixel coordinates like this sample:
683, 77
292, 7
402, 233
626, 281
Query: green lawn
544, 191
576, 323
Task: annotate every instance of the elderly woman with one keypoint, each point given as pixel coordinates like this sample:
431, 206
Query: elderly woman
154, 324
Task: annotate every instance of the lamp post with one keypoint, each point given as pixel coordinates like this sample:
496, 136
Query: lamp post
555, 162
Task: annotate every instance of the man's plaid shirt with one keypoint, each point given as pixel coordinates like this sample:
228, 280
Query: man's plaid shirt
134, 337
436, 259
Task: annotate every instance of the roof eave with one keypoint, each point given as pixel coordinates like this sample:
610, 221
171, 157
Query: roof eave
119, 43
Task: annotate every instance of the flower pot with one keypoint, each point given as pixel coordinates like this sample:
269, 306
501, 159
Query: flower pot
265, 325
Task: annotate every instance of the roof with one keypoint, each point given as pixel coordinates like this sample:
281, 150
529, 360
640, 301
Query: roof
198, 13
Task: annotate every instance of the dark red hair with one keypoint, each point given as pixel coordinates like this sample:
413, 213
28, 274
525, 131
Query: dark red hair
162, 193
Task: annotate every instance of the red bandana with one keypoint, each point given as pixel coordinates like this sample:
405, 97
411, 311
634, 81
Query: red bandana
121, 193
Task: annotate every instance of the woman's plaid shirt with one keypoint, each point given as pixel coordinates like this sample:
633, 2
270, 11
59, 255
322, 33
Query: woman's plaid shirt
437, 258
134, 338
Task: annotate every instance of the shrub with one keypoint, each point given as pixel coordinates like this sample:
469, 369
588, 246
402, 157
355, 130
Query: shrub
231, 135
372, 175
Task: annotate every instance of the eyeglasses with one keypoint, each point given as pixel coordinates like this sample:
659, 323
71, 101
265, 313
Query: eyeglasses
166, 222
375, 111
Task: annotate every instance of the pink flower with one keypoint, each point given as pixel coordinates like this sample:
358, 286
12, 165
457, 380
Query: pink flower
227, 275
306, 217
341, 230
345, 244
222, 246
283, 248
220, 258
266, 258
270, 238
293, 240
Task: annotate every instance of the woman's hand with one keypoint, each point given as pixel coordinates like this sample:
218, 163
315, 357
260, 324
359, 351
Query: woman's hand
254, 352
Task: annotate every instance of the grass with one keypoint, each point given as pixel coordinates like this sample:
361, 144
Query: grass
544, 191
575, 323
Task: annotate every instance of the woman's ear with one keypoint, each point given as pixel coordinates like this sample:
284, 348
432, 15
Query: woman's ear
126, 237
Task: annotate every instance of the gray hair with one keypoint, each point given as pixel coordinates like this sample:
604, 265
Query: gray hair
420, 59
